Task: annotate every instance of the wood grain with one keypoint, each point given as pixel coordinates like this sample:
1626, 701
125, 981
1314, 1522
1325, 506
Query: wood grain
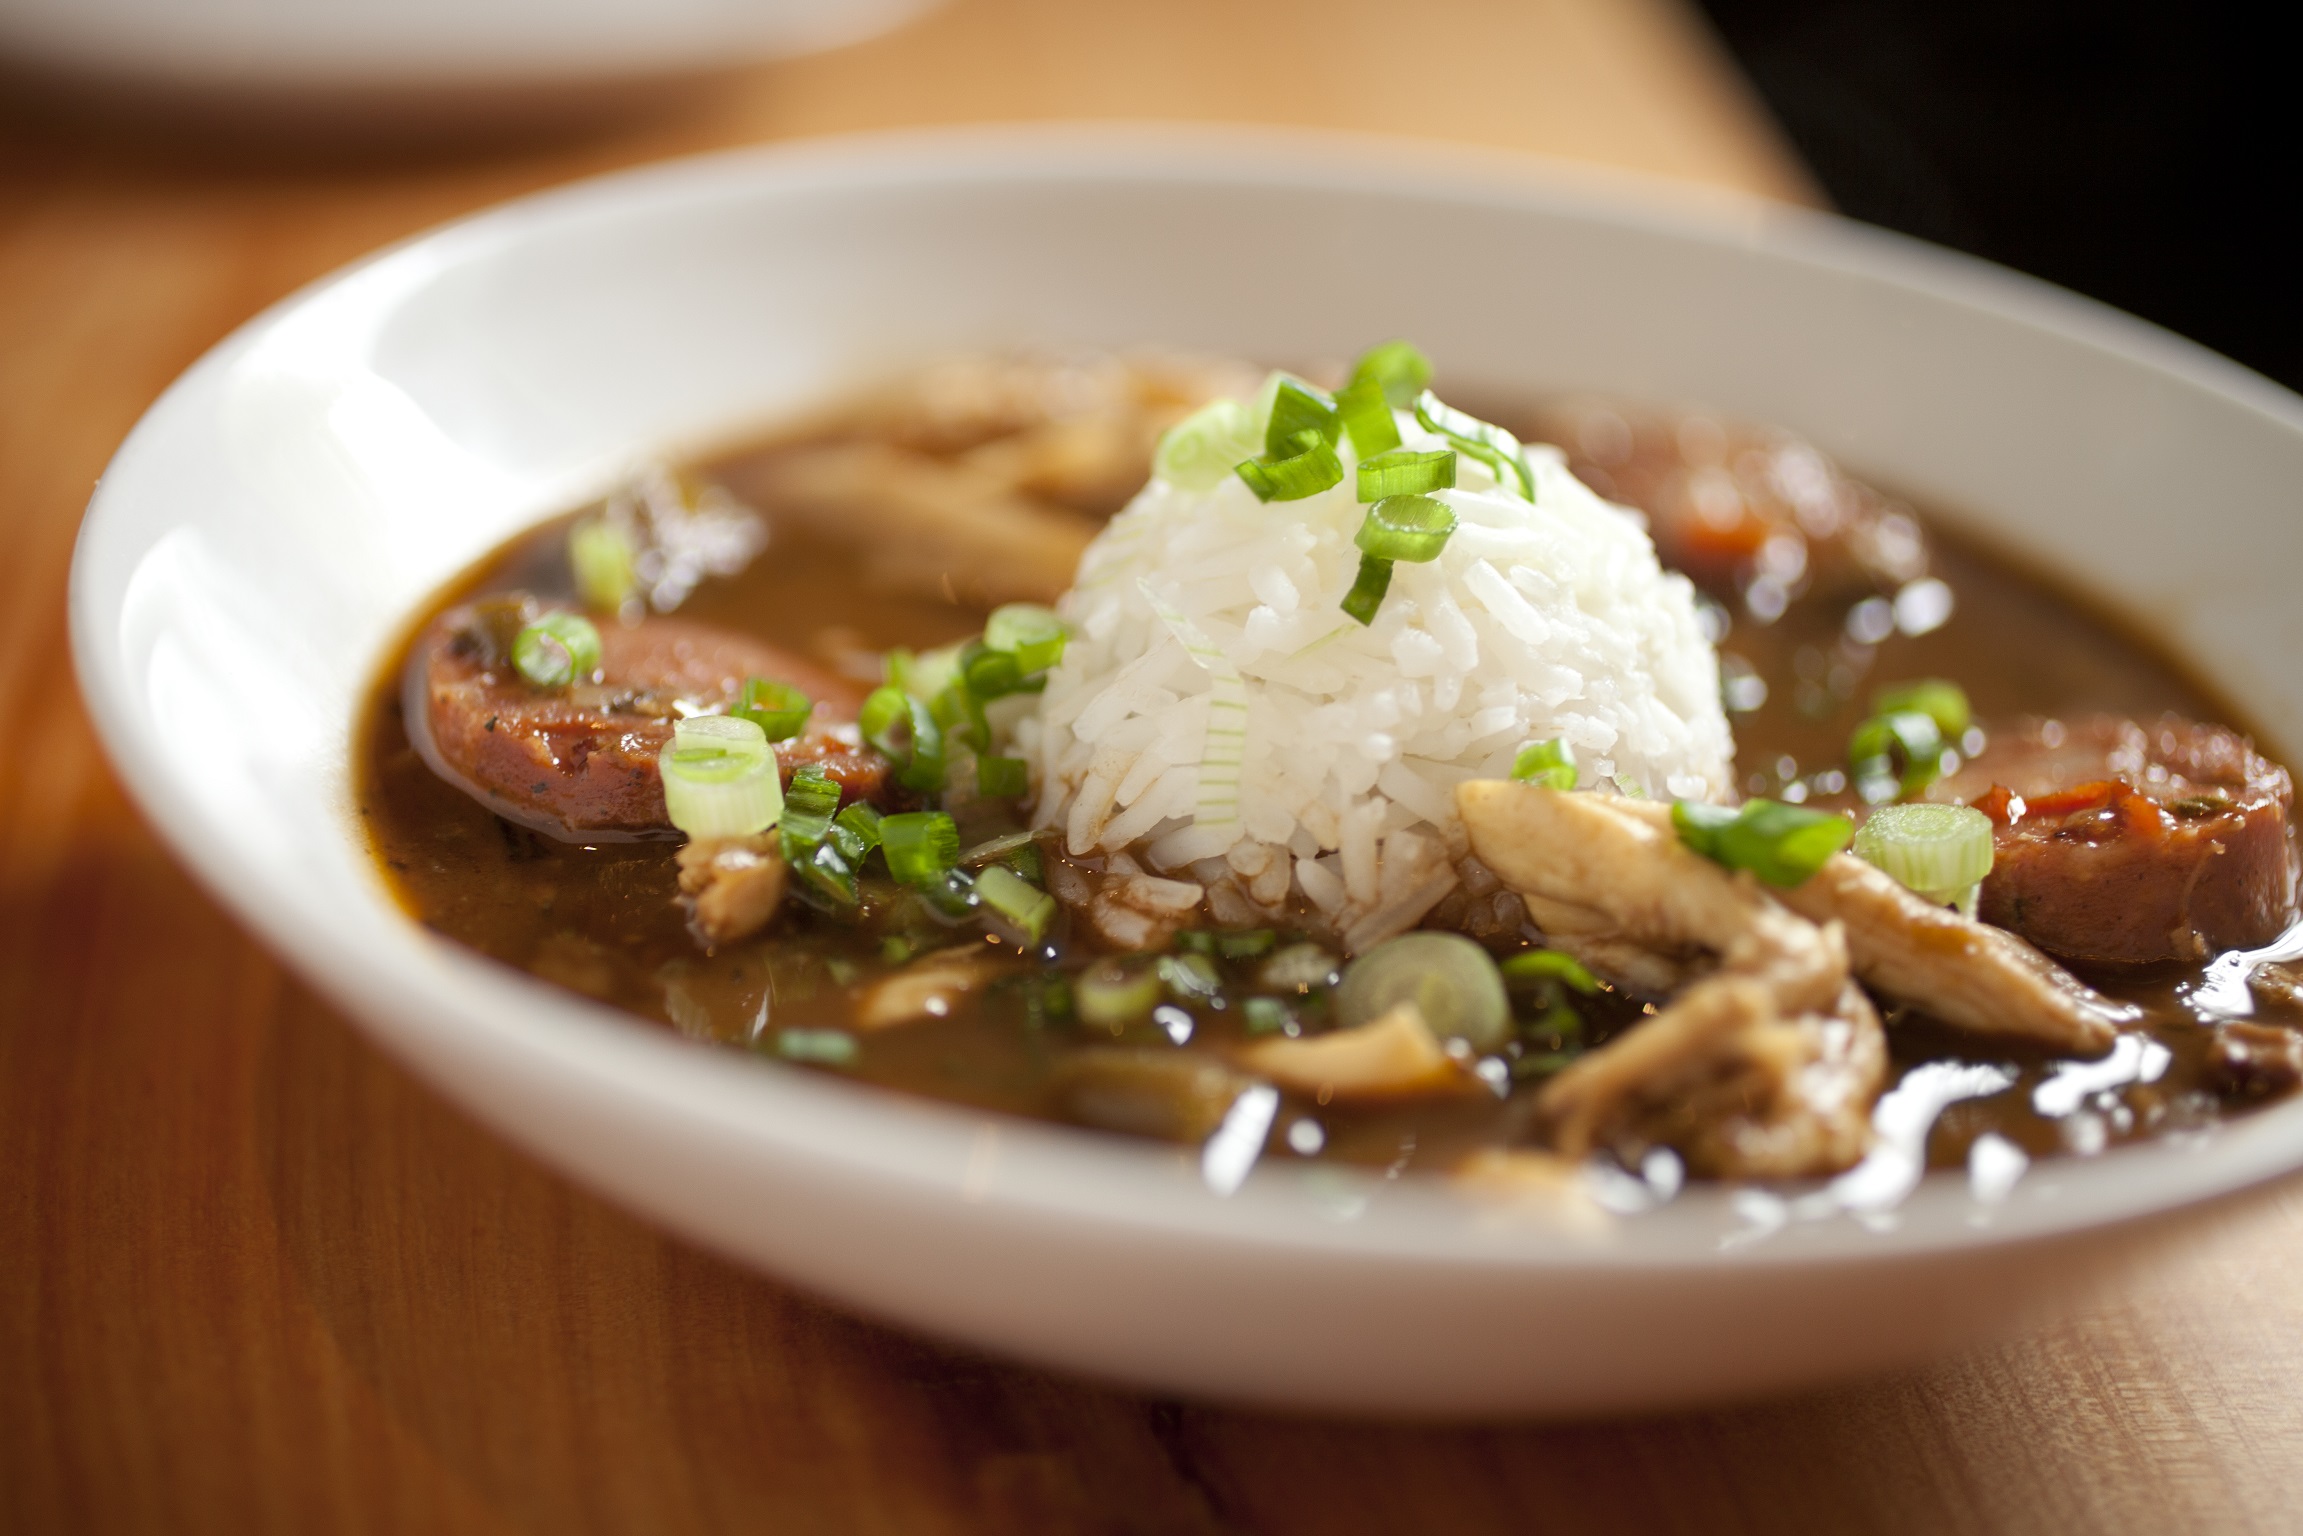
253, 1279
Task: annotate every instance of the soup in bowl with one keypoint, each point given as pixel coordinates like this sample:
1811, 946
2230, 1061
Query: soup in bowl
1350, 852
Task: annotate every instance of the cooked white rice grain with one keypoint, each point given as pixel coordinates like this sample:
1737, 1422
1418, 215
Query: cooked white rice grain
1216, 703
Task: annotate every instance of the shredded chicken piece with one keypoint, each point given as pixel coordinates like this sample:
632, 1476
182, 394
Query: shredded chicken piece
1622, 877
1734, 1082
1966, 973
1393, 1057
929, 526
731, 886
1766, 1069
929, 988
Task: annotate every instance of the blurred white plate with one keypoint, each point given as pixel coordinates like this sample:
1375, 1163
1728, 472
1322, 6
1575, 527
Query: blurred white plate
376, 52
263, 535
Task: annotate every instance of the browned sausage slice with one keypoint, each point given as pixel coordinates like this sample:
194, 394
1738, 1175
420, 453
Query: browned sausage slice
579, 763
2133, 843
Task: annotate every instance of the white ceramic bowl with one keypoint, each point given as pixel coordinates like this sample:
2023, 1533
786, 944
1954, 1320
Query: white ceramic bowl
481, 59
280, 513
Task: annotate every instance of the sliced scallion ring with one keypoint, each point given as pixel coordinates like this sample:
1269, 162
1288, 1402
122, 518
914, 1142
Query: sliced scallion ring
1398, 369
1412, 528
1367, 418
1308, 467
1895, 755
1549, 965
1940, 851
1451, 981
1016, 899
904, 730
720, 778
1288, 407
557, 650
1112, 993
1033, 635
1482, 440
990, 674
1406, 472
1782, 844
1549, 763
822, 1047
1199, 451
861, 824
1366, 594
601, 556
809, 805
778, 709
921, 846
925, 674
1940, 700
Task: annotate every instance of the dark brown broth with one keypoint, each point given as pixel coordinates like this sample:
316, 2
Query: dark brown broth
602, 920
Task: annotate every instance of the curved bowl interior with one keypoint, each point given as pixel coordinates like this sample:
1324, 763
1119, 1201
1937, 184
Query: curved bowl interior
280, 513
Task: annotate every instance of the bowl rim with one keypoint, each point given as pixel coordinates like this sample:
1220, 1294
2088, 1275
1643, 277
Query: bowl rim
413, 989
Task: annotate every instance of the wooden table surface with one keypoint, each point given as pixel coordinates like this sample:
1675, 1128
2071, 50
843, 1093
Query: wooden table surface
254, 1278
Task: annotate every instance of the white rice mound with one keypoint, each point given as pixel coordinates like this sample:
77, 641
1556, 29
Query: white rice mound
1218, 718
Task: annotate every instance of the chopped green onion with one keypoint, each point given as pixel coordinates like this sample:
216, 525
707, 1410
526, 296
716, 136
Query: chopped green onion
1199, 451
1942, 701
1265, 1015
720, 778
1003, 778
1112, 994
778, 709
990, 674
1366, 594
1406, 472
926, 674
556, 650
1397, 368
959, 715
1484, 441
1288, 408
1033, 635
921, 846
1310, 467
1940, 851
1191, 977
824, 1047
600, 554
861, 823
1451, 981
904, 730
1367, 417
810, 802
1017, 899
1244, 943
1549, 763
994, 850
1895, 755
1781, 844
1549, 965
952, 896
1412, 528
821, 862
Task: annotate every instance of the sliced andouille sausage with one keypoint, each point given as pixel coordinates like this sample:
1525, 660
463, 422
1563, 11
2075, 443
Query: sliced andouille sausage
2130, 843
579, 763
